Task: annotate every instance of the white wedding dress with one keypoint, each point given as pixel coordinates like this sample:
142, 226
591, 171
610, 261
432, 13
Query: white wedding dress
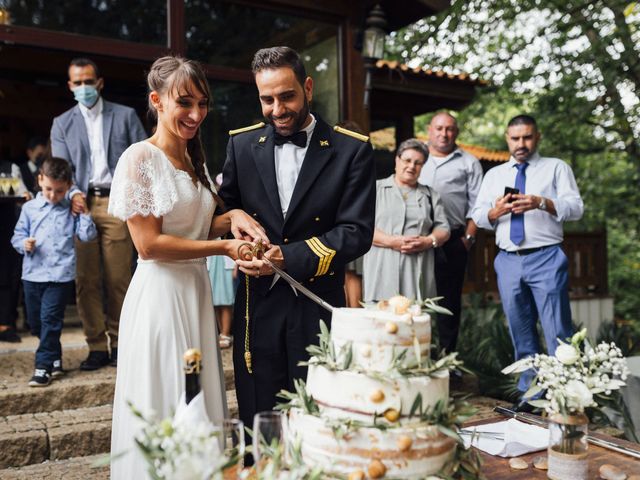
168, 307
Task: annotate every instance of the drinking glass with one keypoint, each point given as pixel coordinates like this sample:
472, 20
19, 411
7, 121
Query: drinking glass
14, 184
4, 184
233, 446
268, 439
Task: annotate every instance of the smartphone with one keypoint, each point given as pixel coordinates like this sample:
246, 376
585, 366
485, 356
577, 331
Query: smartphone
508, 190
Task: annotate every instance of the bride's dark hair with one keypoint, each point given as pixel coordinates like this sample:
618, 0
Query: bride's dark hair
173, 73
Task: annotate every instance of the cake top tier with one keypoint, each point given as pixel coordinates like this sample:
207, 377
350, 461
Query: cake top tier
385, 324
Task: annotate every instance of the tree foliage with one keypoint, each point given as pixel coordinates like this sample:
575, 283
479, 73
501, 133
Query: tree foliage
575, 66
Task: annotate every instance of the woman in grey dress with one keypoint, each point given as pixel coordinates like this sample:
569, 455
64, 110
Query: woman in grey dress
410, 223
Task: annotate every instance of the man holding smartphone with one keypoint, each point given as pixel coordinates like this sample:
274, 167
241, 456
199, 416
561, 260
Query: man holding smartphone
526, 201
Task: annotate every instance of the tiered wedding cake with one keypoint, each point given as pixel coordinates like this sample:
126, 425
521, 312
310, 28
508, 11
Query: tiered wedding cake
374, 401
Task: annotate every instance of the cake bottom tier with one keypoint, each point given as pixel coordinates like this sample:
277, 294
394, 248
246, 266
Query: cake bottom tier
406, 452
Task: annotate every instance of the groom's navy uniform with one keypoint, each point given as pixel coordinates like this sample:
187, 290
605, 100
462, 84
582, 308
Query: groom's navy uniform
329, 221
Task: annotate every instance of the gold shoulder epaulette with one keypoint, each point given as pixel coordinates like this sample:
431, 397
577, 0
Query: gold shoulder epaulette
359, 136
246, 129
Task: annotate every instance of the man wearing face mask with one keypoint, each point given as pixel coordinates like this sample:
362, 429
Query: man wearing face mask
92, 136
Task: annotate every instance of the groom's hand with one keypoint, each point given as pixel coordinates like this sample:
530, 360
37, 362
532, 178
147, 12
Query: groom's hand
244, 227
257, 267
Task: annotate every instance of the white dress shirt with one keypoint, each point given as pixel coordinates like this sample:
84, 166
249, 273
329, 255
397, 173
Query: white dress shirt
457, 178
546, 177
100, 174
288, 159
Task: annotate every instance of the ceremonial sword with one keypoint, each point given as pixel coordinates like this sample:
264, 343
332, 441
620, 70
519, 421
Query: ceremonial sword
257, 251
539, 421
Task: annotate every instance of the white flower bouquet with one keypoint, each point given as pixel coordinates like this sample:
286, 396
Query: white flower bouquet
177, 450
573, 379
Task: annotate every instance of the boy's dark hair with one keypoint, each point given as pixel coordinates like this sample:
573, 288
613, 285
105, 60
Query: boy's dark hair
523, 120
83, 62
278, 57
57, 169
36, 141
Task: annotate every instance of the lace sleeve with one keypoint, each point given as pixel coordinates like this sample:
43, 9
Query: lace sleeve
142, 184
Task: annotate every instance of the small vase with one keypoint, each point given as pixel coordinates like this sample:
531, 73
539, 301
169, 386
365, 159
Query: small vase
568, 447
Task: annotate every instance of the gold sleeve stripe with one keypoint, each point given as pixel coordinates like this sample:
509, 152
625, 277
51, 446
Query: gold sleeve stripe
324, 253
323, 264
246, 129
320, 254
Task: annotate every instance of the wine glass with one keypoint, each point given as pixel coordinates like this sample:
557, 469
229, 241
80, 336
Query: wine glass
268, 439
233, 446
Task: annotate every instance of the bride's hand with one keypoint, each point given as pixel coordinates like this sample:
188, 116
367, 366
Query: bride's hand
244, 227
247, 263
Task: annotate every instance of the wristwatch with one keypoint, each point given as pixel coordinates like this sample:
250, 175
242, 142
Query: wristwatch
543, 204
434, 242
470, 238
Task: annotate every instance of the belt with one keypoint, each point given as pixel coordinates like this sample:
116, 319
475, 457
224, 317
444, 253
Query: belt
528, 251
98, 192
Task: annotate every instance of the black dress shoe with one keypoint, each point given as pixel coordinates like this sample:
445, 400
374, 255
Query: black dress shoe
114, 357
523, 407
95, 360
8, 334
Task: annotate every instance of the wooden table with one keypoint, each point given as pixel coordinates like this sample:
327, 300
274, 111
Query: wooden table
498, 467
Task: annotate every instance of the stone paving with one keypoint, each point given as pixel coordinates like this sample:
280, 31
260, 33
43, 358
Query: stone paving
93, 467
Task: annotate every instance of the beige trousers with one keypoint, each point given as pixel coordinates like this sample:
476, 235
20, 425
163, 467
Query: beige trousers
103, 267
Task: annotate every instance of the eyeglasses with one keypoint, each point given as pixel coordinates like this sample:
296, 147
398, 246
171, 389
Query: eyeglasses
408, 161
88, 81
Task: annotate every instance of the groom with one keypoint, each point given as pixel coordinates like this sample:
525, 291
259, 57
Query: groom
313, 190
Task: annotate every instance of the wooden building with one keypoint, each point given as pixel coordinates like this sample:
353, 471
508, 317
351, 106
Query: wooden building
38, 39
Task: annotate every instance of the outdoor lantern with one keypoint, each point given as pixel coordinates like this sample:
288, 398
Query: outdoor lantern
373, 46
374, 35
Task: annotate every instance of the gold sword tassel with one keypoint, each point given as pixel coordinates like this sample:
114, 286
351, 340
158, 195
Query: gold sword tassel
247, 251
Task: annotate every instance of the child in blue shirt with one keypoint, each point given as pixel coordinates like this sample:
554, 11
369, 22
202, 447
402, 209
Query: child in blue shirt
45, 234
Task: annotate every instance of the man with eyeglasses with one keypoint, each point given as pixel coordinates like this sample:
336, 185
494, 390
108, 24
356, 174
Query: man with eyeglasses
91, 136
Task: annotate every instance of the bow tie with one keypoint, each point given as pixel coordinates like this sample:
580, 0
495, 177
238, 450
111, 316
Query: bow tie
299, 139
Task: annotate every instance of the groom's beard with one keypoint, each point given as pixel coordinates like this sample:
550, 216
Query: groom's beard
299, 120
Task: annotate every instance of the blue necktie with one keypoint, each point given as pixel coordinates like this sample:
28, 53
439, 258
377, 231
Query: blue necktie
517, 220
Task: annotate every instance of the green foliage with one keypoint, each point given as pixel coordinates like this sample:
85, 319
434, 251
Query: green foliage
485, 347
572, 64
625, 335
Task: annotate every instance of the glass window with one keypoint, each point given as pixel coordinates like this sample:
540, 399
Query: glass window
235, 105
226, 34
143, 21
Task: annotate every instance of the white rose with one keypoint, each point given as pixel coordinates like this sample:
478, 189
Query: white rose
578, 395
567, 354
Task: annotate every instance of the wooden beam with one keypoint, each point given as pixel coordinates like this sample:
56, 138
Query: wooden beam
175, 27
38, 37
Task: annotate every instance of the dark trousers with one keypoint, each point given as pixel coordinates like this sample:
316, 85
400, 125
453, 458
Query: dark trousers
10, 266
282, 325
46, 302
449, 283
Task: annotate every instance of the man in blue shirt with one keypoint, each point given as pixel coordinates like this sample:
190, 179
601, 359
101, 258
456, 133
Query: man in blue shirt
45, 235
532, 269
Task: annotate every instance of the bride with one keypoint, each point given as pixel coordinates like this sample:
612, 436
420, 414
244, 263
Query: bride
161, 187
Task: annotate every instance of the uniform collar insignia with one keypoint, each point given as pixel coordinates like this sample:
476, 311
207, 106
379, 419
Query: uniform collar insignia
262, 139
324, 143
